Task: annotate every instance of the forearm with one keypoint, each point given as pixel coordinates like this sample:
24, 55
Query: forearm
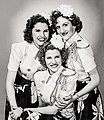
45, 110
11, 95
10, 90
95, 80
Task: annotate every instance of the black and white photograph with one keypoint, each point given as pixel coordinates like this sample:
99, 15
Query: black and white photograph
52, 60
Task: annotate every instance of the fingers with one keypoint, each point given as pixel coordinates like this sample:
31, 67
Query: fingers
67, 98
12, 115
16, 113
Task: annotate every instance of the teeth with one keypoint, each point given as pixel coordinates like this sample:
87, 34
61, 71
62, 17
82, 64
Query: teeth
54, 66
41, 39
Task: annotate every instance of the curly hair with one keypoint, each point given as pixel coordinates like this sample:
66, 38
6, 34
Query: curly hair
30, 25
74, 19
49, 46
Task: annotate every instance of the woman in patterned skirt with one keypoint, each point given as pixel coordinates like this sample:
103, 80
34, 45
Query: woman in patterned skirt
67, 25
53, 85
23, 63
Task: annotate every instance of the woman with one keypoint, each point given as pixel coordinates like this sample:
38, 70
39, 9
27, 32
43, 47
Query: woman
23, 63
53, 84
67, 24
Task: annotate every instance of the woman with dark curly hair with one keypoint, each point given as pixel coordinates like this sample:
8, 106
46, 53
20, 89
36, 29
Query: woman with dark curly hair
23, 63
53, 84
88, 103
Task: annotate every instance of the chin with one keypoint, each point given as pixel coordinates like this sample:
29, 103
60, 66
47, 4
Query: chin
40, 44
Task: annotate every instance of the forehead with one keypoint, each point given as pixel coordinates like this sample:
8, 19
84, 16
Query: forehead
61, 20
53, 52
41, 25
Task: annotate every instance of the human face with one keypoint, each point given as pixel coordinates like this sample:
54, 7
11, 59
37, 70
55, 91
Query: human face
53, 60
40, 33
65, 28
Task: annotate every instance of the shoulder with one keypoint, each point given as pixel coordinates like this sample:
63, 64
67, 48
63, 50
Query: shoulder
68, 72
40, 74
19, 45
82, 43
84, 47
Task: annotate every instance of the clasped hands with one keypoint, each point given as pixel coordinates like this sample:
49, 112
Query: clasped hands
15, 113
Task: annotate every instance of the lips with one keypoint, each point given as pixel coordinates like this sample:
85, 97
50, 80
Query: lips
54, 65
64, 33
41, 39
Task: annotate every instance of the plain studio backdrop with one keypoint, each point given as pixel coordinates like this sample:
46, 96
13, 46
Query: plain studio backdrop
13, 16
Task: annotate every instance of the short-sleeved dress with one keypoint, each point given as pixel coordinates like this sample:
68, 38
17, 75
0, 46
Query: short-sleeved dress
23, 59
60, 84
81, 59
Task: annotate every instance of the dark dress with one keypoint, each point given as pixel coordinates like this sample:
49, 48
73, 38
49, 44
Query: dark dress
81, 59
91, 107
23, 96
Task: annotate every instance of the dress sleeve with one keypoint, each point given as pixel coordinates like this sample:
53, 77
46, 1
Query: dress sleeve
15, 57
87, 58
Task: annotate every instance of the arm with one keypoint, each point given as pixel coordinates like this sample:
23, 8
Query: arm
45, 110
10, 87
95, 80
16, 111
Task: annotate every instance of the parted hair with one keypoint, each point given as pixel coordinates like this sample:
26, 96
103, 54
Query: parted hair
74, 19
30, 25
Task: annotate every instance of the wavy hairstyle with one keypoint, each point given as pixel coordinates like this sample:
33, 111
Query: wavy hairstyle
49, 46
74, 19
30, 25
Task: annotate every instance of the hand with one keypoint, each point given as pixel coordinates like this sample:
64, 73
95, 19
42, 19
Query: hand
62, 102
68, 98
15, 113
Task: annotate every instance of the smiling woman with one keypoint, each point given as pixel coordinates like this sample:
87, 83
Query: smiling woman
53, 85
88, 103
40, 33
23, 63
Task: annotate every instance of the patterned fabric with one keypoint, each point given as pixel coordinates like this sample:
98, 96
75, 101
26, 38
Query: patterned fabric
81, 59
24, 96
23, 58
89, 106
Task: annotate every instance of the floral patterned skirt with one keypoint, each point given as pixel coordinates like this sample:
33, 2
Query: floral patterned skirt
89, 106
23, 95
28, 115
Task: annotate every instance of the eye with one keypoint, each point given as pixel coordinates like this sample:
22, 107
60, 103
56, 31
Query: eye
37, 30
46, 30
48, 58
65, 24
57, 27
57, 56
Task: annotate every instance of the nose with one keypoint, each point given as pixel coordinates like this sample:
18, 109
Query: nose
42, 34
53, 61
61, 30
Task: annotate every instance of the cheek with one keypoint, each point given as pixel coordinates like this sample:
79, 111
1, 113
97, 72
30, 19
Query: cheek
71, 28
47, 62
59, 61
47, 35
34, 34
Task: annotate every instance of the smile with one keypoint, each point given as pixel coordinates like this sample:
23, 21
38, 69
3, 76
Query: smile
41, 39
64, 33
54, 66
